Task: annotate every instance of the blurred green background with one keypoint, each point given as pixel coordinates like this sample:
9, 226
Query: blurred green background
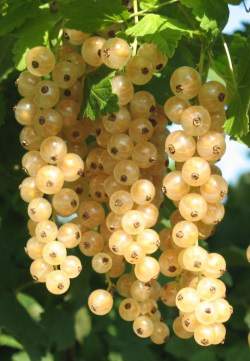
37, 326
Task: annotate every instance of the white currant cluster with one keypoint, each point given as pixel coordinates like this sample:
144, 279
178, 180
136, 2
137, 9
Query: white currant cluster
197, 189
99, 185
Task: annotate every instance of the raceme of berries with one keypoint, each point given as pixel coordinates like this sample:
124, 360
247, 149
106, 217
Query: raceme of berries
198, 191
98, 186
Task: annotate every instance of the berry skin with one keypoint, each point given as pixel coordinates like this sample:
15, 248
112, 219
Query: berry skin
49, 179
180, 146
100, 302
46, 94
123, 88
139, 70
69, 234
26, 83
193, 207
143, 326
40, 61
195, 120
174, 186
39, 210
54, 253
213, 96
25, 111
142, 191
196, 171
174, 108
91, 50
57, 282
39, 270
129, 309
185, 82
115, 53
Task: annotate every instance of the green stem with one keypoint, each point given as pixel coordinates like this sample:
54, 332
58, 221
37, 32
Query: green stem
25, 286
202, 59
229, 61
135, 43
142, 12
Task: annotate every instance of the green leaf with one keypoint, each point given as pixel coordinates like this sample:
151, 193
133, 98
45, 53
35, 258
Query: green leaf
33, 308
6, 44
16, 15
99, 97
90, 16
16, 321
2, 109
9, 341
82, 324
162, 31
60, 324
33, 33
20, 356
212, 15
238, 85
148, 4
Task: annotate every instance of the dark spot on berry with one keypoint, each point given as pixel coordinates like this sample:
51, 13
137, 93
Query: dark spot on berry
164, 190
35, 64
172, 268
123, 178
75, 134
139, 331
111, 33
179, 234
98, 131
66, 77
99, 52
98, 194
106, 52
41, 120
44, 89
159, 66
49, 183
105, 260
73, 203
118, 203
179, 88
145, 71
114, 150
80, 172
144, 130
194, 214
60, 286
136, 225
216, 149
197, 122
171, 149
66, 35
67, 92
93, 165
153, 122
127, 306
112, 117
195, 176
221, 97
77, 235
197, 264
85, 215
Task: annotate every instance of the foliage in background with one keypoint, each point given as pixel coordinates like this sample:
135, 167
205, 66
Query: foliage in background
39, 327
